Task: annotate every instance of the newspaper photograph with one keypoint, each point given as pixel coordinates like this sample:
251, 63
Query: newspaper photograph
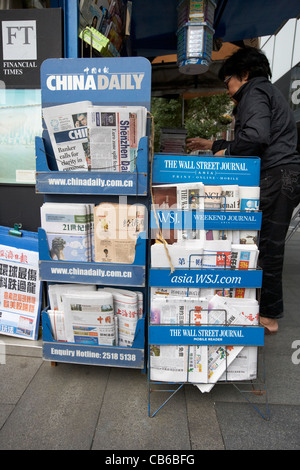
67, 128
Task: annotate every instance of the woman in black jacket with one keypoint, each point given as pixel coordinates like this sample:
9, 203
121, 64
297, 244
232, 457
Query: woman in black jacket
264, 127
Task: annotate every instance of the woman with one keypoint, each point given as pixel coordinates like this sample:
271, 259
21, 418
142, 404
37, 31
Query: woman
264, 127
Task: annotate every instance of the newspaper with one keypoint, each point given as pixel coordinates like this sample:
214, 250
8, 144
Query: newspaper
216, 254
114, 134
190, 196
182, 254
56, 291
57, 322
67, 128
244, 256
178, 363
67, 228
220, 357
126, 308
213, 199
89, 318
116, 229
249, 198
230, 198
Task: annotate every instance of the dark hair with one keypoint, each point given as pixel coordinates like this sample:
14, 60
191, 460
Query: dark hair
246, 60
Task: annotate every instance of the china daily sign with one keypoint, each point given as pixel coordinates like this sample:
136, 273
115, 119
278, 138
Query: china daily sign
95, 82
103, 81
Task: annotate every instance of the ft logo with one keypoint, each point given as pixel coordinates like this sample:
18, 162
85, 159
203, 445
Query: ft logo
19, 40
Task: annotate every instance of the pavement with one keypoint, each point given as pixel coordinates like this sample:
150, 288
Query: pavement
78, 407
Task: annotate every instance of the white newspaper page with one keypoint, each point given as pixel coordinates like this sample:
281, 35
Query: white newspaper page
179, 362
67, 127
220, 357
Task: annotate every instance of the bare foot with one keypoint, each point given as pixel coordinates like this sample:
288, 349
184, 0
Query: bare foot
270, 325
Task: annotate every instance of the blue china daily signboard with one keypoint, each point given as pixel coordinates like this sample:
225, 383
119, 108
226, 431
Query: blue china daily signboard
105, 81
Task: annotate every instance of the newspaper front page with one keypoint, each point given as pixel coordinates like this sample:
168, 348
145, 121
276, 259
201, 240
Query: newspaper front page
89, 318
67, 127
114, 134
116, 229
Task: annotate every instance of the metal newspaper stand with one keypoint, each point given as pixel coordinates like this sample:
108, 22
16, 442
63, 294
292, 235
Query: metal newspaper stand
94, 187
209, 170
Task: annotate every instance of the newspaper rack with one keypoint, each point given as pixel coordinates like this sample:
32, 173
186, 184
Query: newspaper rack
111, 356
107, 81
92, 273
210, 170
92, 182
209, 335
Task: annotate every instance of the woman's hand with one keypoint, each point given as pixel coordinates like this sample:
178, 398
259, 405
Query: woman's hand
196, 143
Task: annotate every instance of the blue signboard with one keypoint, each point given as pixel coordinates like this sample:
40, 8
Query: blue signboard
92, 273
105, 81
211, 170
206, 335
112, 356
221, 278
206, 220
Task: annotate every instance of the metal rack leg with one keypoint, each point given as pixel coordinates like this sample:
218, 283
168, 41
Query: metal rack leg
166, 401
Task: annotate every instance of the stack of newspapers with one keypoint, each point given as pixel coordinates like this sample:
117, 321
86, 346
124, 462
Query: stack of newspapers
69, 230
83, 314
202, 365
105, 233
101, 138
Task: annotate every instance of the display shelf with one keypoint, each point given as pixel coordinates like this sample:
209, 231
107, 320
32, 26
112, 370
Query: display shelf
92, 273
92, 182
112, 356
209, 170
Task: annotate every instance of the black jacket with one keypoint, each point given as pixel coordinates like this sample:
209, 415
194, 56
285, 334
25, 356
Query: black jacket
264, 126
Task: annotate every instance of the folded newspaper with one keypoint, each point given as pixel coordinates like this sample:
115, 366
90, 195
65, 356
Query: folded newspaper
114, 134
201, 365
116, 229
89, 318
67, 128
178, 363
126, 308
67, 227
